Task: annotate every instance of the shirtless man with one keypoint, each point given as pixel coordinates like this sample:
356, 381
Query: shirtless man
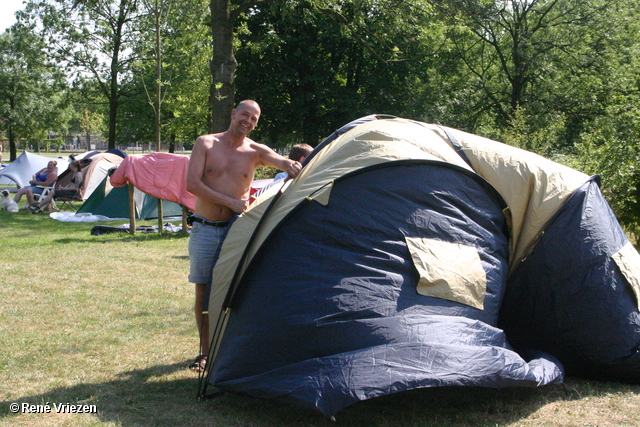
221, 169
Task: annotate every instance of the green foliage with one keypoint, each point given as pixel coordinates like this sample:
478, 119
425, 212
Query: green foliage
266, 172
184, 77
89, 115
534, 55
93, 38
612, 150
32, 98
524, 133
313, 69
559, 78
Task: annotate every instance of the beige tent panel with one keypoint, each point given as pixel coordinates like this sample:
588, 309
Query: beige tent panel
628, 261
533, 187
449, 271
323, 195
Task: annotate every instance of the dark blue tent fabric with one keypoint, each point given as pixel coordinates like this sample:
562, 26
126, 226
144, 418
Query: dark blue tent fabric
571, 300
328, 314
117, 152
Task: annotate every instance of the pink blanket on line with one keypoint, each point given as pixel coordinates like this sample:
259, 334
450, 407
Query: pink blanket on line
162, 175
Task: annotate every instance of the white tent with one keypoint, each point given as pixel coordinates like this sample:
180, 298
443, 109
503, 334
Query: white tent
20, 171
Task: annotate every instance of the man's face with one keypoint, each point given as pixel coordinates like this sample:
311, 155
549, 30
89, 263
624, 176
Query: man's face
245, 118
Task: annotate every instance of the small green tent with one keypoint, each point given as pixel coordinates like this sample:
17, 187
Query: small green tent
113, 202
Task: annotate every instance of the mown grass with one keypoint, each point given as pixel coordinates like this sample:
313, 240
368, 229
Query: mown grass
107, 320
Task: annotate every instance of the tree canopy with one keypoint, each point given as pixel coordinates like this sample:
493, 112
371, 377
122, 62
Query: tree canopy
558, 77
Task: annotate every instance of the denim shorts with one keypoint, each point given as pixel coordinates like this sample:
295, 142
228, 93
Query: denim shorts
205, 242
36, 190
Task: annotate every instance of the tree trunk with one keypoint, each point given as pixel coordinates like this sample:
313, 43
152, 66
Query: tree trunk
172, 143
113, 111
159, 83
12, 145
114, 92
12, 137
223, 65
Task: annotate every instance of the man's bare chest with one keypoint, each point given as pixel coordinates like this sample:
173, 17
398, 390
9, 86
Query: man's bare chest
238, 165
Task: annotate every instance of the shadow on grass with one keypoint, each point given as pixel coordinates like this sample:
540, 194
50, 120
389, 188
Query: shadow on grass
28, 222
165, 395
149, 397
125, 237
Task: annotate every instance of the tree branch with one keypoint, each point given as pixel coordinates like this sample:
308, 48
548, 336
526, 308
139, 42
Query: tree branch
244, 6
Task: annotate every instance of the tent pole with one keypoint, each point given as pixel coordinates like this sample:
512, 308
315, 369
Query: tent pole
184, 220
160, 219
132, 210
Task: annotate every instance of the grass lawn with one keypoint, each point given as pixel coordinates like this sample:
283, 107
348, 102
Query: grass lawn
107, 321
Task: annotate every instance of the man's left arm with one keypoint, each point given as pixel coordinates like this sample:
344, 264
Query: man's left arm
275, 160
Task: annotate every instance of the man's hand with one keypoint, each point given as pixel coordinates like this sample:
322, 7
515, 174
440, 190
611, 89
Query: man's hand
294, 169
239, 205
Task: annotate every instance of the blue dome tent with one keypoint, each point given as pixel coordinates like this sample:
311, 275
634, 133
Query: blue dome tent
409, 255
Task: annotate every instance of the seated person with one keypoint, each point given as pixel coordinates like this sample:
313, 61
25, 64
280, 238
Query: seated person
69, 190
44, 178
298, 153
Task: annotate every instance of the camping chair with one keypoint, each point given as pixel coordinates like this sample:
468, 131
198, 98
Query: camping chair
64, 197
45, 191
68, 203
